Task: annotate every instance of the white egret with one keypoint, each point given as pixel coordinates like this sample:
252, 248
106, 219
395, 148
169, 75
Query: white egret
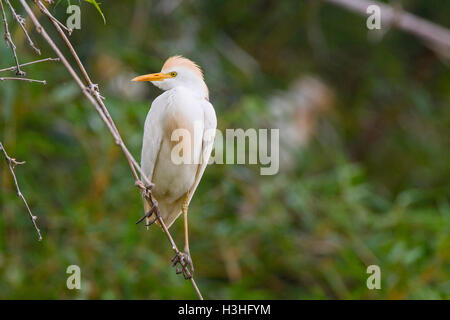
183, 106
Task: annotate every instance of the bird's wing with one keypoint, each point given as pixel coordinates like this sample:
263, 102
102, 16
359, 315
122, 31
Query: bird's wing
153, 135
209, 133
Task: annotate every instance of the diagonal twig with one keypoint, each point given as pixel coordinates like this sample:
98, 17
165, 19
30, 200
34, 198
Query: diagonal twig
435, 36
12, 163
28, 63
9, 40
153, 203
93, 89
21, 21
44, 10
92, 93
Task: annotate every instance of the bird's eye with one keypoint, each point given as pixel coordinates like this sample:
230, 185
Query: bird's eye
173, 74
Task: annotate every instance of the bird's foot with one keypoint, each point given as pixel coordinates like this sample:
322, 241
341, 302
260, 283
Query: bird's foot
149, 221
183, 264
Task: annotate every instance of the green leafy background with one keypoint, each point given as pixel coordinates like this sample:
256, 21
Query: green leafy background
371, 187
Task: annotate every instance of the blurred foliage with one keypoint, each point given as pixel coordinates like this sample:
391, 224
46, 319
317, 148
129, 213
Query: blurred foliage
371, 187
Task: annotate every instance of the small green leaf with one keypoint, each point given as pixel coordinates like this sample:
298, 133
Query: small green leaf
98, 8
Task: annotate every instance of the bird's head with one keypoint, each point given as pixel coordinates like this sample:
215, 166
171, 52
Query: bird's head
178, 71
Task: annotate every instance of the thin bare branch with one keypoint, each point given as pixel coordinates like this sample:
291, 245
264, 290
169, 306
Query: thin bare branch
21, 21
58, 27
29, 63
23, 79
9, 41
44, 10
435, 36
12, 163
95, 92
92, 93
177, 252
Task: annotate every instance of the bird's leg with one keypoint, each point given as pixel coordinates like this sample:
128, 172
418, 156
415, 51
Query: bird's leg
186, 233
184, 258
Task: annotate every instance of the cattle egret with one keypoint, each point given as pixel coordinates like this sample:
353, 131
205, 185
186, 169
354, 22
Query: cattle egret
184, 106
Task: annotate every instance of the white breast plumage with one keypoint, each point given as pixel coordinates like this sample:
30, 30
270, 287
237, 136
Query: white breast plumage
175, 109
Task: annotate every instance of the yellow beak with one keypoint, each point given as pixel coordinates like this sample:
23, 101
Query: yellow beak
152, 77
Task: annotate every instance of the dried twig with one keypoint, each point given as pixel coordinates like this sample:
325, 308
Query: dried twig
9, 41
44, 10
17, 68
23, 79
29, 63
21, 22
12, 163
436, 36
92, 93
154, 204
